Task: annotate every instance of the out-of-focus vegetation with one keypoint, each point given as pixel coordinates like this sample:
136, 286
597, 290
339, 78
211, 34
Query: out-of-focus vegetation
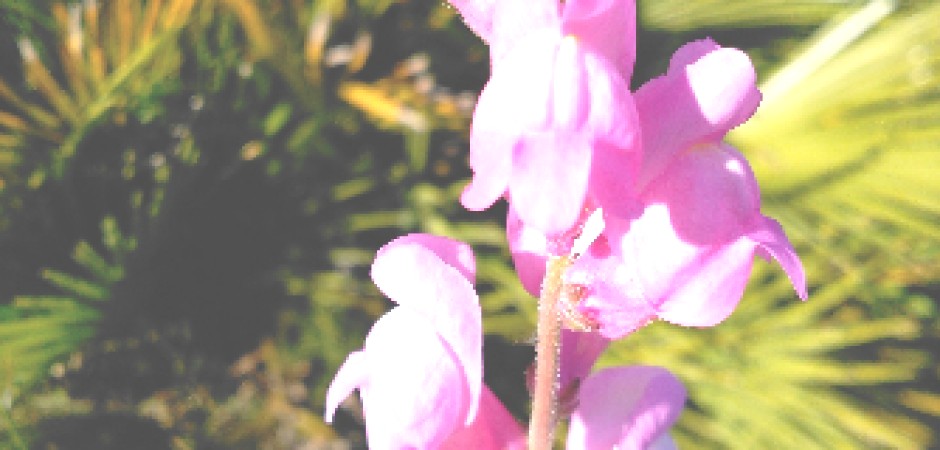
191, 193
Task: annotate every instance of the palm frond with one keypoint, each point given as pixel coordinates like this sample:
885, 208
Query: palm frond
676, 15
779, 376
848, 151
39, 330
108, 60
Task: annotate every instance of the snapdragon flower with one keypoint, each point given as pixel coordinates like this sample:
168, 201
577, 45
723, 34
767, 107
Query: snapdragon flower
685, 250
419, 373
557, 112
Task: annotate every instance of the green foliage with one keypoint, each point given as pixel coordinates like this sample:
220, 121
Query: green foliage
39, 330
675, 15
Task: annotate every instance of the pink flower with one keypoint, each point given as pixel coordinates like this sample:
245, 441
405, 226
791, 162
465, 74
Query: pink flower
627, 408
492, 429
557, 112
420, 372
684, 254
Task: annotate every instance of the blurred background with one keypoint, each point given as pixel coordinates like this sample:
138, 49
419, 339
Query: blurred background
191, 194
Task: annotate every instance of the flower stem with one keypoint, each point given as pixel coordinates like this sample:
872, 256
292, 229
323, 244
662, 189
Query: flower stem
547, 348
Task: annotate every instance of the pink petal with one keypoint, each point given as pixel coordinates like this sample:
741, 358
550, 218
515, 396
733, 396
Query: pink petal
625, 407
352, 374
579, 352
518, 20
453, 253
549, 181
410, 272
591, 111
615, 299
690, 52
513, 102
688, 282
478, 15
416, 394
706, 290
609, 26
492, 429
772, 240
607, 113
689, 249
613, 180
707, 91
710, 192
529, 250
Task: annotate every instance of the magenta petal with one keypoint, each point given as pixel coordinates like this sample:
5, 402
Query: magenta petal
478, 15
549, 181
609, 26
416, 394
694, 103
579, 352
691, 52
772, 240
710, 192
625, 407
492, 429
613, 180
410, 272
529, 250
350, 376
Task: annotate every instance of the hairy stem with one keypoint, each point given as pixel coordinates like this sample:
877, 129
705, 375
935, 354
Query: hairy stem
547, 348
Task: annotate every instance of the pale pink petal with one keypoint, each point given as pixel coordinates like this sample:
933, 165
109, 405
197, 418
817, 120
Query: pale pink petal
513, 102
612, 118
693, 283
492, 429
626, 408
773, 242
453, 253
349, 377
491, 173
413, 275
549, 181
706, 291
697, 101
529, 250
724, 84
478, 15
615, 297
518, 20
609, 26
417, 393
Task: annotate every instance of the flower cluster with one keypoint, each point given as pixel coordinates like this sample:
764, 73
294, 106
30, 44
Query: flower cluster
653, 215
420, 372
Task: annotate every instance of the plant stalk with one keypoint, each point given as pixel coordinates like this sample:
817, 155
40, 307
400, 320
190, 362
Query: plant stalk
547, 350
